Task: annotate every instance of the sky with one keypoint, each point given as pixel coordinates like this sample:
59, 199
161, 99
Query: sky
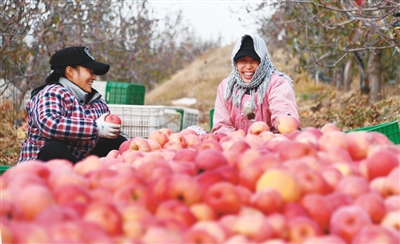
213, 18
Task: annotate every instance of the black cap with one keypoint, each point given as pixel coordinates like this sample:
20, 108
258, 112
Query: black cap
77, 56
247, 49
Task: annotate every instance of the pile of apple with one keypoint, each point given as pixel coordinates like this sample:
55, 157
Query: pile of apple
310, 186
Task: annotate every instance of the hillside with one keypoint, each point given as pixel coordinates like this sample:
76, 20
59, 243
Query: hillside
318, 104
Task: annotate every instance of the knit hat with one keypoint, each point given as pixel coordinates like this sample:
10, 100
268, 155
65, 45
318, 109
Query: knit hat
77, 56
247, 49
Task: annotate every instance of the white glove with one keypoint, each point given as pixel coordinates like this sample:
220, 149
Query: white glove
106, 129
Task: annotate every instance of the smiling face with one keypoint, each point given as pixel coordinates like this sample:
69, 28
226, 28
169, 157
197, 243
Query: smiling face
247, 66
81, 76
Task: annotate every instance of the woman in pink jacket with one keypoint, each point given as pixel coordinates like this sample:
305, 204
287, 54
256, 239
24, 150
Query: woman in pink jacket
254, 90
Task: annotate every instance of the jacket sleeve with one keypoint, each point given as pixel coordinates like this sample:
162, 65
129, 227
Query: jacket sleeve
58, 119
281, 99
221, 120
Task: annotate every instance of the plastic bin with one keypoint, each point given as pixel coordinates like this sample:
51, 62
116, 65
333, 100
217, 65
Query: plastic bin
101, 87
189, 116
3, 168
211, 118
125, 93
173, 120
139, 121
390, 129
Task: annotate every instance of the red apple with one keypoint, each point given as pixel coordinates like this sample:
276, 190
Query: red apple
203, 212
230, 173
140, 144
373, 234
209, 159
301, 228
173, 145
113, 118
176, 210
294, 150
159, 136
318, 208
328, 127
331, 175
253, 225
185, 188
257, 127
106, 215
158, 234
213, 228
392, 203
125, 145
339, 199
392, 220
324, 239
312, 182
192, 140
198, 236
334, 139
208, 178
40, 198
90, 163
292, 210
223, 198
373, 204
267, 201
279, 225
70, 194
287, 124
353, 186
381, 163
391, 184
179, 138
347, 221
208, 144
359, 144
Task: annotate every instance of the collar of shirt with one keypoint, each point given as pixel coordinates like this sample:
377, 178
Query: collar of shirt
82, 96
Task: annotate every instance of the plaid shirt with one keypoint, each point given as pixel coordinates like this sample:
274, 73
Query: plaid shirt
56, 114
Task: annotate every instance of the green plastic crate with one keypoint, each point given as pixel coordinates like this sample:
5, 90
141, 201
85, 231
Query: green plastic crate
125, 93
3, 168
211, 118
390, 129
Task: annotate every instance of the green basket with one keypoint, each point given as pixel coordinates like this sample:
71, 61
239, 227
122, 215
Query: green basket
125, 93
211, 118
3, 168
391, 130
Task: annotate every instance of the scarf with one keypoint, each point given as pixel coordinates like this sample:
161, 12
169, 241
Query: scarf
236, 87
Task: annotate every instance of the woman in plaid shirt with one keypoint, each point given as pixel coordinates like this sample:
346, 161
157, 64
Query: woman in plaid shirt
66, 116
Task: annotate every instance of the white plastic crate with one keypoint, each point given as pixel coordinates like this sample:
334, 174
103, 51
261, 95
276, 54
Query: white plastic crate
172, 120
139, 120
189, 116
100, 86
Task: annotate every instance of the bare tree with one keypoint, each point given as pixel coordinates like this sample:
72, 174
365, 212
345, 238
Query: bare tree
122, 33
328, 34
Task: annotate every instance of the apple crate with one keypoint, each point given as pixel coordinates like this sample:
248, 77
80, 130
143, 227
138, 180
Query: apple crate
189, 116
390, 129
172, 120
3, 168
124, 93
139, 120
